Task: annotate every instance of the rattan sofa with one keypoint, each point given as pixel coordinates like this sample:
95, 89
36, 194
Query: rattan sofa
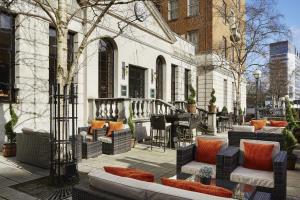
267, 134
102, 185
34, 147
233, 160
119, 142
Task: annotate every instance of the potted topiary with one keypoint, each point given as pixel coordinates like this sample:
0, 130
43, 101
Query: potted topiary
212, 101
191, 102
289, 135
205, 174
290, 143
9, 149
131, 125
224, 110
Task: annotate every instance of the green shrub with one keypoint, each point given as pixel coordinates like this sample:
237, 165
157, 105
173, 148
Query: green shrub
290, 141
289, 114
10, 125
224, 109
130, 122
191, 98
213, 98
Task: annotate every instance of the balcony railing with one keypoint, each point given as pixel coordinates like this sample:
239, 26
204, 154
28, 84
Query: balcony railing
118, 108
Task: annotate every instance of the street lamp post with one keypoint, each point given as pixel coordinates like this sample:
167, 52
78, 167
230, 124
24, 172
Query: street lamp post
257, 75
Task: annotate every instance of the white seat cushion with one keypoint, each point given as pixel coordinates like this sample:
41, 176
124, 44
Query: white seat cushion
239, 128
253, 177
194, 167
271, 129
105, 139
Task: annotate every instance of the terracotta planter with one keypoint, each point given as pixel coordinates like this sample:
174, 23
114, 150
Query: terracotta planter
212, 108
191, 108
132, 142
291, 161
9, 150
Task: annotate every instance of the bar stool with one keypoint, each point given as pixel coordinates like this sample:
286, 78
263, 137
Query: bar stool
159, 125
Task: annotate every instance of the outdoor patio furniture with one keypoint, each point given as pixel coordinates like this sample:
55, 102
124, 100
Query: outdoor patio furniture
96, 133
91, 149
34, 148
102, 185
247, 132
239, 190
160, 131
187, 165
119, 142
266, 181
185, 129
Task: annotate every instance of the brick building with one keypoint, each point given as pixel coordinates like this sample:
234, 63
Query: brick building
205, 23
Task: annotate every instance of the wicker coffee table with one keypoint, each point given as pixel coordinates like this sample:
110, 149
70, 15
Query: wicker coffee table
240, 191
91, 149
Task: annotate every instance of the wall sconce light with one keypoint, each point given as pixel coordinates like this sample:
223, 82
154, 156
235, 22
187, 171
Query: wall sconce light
124, 70
153, 75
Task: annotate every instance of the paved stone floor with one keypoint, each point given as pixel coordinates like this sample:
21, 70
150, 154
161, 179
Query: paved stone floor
156, 161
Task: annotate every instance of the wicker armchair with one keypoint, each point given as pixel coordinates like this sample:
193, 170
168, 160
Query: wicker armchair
232, 160
119, 142
186, 156
96, 133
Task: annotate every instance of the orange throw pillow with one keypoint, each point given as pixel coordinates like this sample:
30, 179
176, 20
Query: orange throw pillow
130, 173
207, 150
114, 126
258, 124
197, 187
95, 125
278, 123
258, 156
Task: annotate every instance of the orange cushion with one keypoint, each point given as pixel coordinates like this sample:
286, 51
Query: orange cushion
278, 123
197, 187
114, 126
95, 125
258, 124
130, 173
207, 150
258, 156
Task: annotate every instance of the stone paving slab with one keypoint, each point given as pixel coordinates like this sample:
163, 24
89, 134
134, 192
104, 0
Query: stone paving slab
162, 164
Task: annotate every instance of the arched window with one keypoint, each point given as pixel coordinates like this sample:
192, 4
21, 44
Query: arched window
106, 69
160, 64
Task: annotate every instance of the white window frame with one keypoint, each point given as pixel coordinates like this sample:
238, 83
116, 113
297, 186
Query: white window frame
173, 9
193, 8
191, 39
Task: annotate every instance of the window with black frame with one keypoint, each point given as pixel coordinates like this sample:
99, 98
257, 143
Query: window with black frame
53, 55
7, 56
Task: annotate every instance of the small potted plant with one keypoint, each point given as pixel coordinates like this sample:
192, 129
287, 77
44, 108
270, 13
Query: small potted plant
224, 110
212, 101
191, 102
131, 125
9, 149
205, 174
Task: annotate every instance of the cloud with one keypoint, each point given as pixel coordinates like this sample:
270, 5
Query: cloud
296, 36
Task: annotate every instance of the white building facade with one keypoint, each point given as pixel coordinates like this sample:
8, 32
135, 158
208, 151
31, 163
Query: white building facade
146, 61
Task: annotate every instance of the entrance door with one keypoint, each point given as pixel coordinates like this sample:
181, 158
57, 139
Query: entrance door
136, 82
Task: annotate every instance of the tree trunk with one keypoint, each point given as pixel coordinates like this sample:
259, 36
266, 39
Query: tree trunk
62, 39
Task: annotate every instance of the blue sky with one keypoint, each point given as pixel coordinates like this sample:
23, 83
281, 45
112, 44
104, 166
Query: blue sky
291, 11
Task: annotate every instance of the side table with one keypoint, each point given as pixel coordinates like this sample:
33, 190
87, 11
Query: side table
91, 149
